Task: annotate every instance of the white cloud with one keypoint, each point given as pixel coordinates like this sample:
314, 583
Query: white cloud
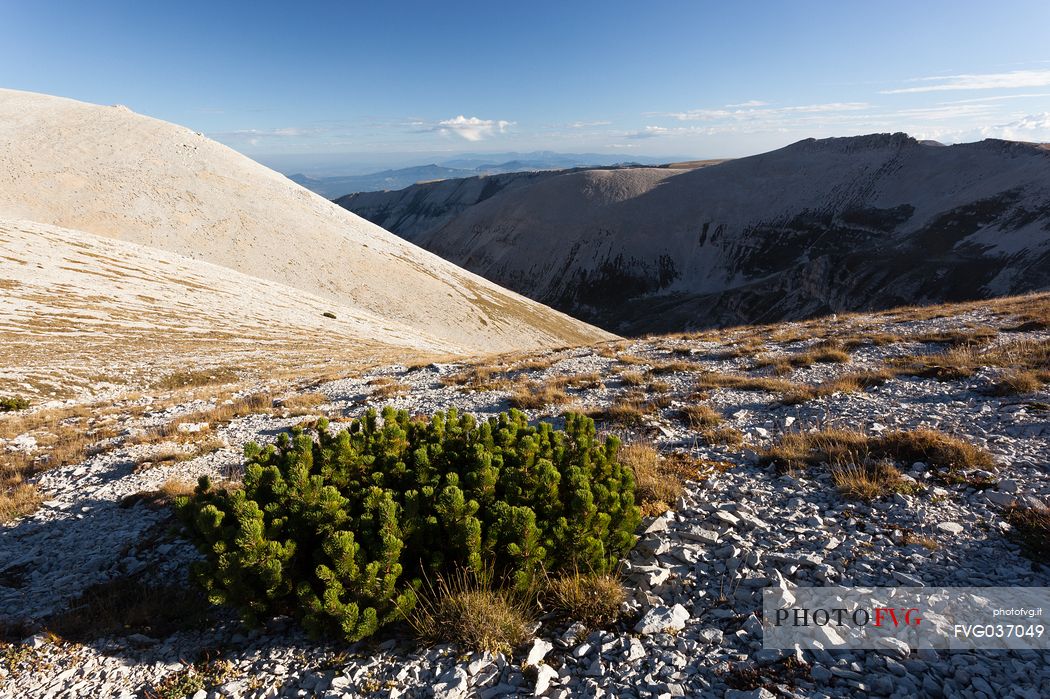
473, 128
650, 132
982, 81
759, 112
749, 103
588, 124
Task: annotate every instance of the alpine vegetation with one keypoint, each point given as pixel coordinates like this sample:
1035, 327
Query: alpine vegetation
342, 529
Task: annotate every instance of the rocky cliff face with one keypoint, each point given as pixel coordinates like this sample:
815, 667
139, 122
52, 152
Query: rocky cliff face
819, 226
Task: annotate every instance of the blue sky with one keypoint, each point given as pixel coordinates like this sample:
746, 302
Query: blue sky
412, 80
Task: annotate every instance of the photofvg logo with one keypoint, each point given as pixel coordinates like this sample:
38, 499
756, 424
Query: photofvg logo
919, 617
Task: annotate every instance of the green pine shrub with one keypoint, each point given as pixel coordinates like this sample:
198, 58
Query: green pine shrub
12, 403
340, 529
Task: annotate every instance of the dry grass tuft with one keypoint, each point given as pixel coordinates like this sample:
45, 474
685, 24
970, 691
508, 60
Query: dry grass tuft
909, 538
676, 366
591, 379
697, 416
590, 598
1017, 382
867, 481
629, 410
198, 377
1031, 529
632, 377
176, 488
472, 613
18, 500
303, 403
533, 395
385, 387
710, 380
478, 378
724, 436
838, 447
658, 482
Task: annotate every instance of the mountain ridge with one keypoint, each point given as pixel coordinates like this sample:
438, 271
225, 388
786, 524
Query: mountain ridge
819, 226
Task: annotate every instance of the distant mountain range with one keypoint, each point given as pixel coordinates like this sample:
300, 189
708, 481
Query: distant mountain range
820, 226
466, 166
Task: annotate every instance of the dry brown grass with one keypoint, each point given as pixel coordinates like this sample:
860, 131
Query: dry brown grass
533, 395
303, 403
656, 387
629, 410
710, 380
676, 366
658, 482
909, 538
838, 447
846, 383
385, 387
18, 500
478, 378
590, 598
723, 435
633, 360
874, 338
176, 488
785, 364
965, 360
253, 404
1018, 382
590, 379
471, 612
197, 377
632, 377
956, 338
867, 481
1031, 529
697, 416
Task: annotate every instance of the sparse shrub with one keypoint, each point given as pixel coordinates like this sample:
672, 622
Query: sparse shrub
594, 599
10, 404
340, 531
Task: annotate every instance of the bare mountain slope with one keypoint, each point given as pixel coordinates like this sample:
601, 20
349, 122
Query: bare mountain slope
82, 313
113, 173
819, 226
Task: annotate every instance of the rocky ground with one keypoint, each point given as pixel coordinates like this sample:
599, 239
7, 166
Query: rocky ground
696, 576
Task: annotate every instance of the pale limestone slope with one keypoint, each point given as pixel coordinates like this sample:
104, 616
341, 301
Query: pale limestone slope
113, 173
81, 312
